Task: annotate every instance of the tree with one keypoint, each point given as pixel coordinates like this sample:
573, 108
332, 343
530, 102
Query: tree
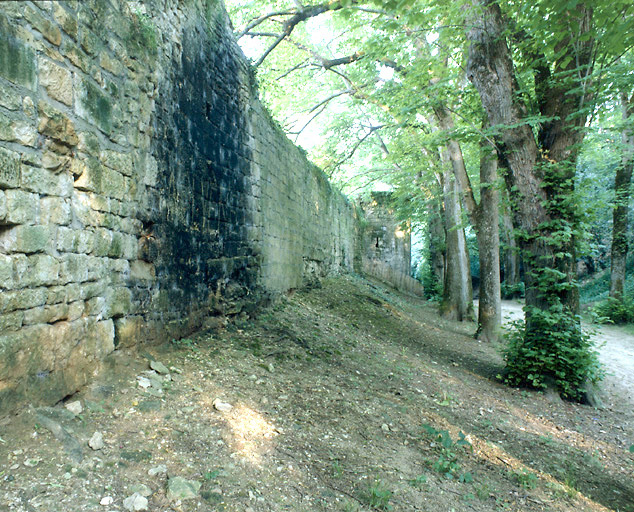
622, 184
541, 172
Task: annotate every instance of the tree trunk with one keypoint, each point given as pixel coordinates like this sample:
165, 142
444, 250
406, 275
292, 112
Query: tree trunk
437, 244
488, 234
621, 205
484, 219
457, 302
540, 178
511, 252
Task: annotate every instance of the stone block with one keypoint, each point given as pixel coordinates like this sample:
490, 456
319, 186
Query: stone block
3, 207
45, 182
25, 239
102, 242
74, 240
25, 298
117, 161
113, 184
73, 268
55, 162
11, 321
118, 302
22, 207
45, 27
65, 20
95, 306
56, 125
57, 81
17, 61
64, 293
18, 131
9, 169
43, 270
93, 104
129, 247
90, 174
55, 210
6, 272
9, 99
46, 314
142, 271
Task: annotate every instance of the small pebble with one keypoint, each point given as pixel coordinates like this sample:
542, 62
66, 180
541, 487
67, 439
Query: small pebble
106, 500
221, 406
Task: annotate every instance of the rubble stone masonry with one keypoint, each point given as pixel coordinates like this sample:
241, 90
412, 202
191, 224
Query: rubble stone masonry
143, 187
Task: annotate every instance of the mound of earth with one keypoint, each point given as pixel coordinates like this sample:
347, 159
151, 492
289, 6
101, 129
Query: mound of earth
348, 397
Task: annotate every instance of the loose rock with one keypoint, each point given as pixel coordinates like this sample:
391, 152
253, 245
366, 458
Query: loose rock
75, 407
143, 382
221, 406
161, 469
135, 503
96, 441
159, 367
179, 488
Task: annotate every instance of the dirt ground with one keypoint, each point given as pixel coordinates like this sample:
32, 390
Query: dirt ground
350, 397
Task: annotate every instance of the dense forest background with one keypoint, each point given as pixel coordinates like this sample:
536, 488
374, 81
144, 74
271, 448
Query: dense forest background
503, 130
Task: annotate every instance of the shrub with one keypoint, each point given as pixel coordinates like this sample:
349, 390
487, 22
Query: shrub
555, 350
513, 291
612, 310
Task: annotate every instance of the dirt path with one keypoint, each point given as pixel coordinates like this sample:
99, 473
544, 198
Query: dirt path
347, 398
616, 352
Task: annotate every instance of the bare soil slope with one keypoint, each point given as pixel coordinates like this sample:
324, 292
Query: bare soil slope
348, 397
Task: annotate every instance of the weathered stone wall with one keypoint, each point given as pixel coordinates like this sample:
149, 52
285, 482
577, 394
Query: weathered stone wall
386, 245
143, 187
385, 239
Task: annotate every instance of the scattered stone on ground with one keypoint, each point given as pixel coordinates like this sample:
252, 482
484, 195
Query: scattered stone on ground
364, 411
135, 503
221, 406
75, 407
159, 367
96, 441
179, 488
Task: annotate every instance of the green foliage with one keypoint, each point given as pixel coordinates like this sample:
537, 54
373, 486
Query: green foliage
142, 34
555, 351
377, 496
183, 343
418, 481
526, 479
513, 291
448, 453
614, 310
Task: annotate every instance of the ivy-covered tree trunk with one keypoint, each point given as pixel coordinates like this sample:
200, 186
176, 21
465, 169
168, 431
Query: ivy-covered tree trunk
457, 299
621, 203
540, 177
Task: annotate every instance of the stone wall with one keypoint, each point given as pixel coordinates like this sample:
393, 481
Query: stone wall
143, 187
386, 245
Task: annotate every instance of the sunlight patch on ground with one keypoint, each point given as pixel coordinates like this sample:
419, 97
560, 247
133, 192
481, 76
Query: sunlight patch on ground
251, 433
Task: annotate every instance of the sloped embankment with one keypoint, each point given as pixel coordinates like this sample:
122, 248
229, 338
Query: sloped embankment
346, 397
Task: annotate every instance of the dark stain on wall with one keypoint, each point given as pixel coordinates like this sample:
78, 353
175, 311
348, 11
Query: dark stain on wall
203, 157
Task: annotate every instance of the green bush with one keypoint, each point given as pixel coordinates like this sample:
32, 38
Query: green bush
555, 351
611, 310
513, 291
